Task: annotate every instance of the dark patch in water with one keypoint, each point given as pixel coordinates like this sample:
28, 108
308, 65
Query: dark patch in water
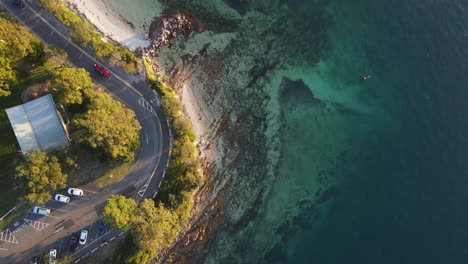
240, 6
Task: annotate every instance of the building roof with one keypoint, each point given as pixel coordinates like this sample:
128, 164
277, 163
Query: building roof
37, 125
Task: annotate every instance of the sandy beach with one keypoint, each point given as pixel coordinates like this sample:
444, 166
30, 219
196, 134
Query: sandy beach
110, 23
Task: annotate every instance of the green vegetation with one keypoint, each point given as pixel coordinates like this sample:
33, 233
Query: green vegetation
42, 173
151, 227
183, 174
69, 84
29, 69
154, 227
119, 211
16, 43
84, 33
109, 127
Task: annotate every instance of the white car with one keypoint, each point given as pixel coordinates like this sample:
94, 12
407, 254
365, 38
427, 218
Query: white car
83, 236
62, 198
52, 254
41, 210
75, 192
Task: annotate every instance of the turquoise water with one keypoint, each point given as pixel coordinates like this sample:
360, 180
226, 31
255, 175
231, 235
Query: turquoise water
390, 151
340, 170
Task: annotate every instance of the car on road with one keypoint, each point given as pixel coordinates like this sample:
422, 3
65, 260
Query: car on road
83, 237
102, 228
41, 210
73, 242
62, 198
103, 71
75, 192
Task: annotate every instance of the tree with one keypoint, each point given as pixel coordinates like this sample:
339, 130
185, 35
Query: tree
155, 226
70, 84
42, 175
108, 126
15, 44
119, 211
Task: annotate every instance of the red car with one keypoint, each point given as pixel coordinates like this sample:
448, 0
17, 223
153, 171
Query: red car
101, 70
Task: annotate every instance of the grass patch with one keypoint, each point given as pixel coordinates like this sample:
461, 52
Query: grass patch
94, 168
16, 215
114, 175
9, 150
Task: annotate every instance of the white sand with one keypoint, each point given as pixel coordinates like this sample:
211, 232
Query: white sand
110, 23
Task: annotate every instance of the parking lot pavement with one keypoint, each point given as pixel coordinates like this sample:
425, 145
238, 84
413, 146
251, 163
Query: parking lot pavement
38, 225
8, 236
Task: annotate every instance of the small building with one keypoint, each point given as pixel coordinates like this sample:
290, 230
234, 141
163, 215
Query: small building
38, 126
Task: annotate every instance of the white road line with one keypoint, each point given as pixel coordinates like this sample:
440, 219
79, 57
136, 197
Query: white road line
91, 191
36, 224
8, 236
82, 198
56, 217
146, 138
3, 248
61, 210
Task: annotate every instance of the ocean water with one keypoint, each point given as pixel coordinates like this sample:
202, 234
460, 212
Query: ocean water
341, 170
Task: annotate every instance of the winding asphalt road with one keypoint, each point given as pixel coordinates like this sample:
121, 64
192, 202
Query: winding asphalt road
34, 234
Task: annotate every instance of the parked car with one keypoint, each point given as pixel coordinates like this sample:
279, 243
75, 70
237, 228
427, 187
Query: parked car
41, 210
34, 260
103, 71
75, 192
83, 237
102, 228
73, 242
62, 198
52, 254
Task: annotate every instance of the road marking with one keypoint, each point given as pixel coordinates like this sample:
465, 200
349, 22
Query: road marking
143, 190
3, 248
94, 250
58, 230
36, 224
91, 191
66, 211
8, 236
56, 217
146, 138
82, 198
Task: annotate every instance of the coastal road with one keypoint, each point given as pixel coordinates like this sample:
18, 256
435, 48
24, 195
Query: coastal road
30, 236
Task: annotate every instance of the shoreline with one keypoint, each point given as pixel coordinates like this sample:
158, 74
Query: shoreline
203, 122
110, 23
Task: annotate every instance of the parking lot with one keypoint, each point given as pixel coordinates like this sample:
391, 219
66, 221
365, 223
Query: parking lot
58, 226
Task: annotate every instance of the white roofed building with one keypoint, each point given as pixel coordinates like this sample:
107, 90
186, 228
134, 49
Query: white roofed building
38, 126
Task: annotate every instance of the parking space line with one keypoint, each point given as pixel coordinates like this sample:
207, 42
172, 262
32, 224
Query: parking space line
8, 236
56, 217
82, 198
36, 224
91, 191
66, 211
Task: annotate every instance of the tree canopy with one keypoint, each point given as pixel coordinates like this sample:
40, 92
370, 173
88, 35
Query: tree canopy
119, 211
42, 175
109, 126
155, 226
16, 43
70, 84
